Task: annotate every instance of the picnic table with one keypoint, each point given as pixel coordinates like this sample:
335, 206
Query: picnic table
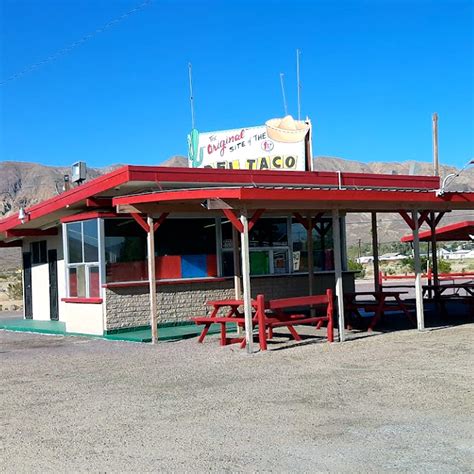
468, 287
381, 302
286, 312
233, 315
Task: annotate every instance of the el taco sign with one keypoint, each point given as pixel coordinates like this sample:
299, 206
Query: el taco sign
267, 147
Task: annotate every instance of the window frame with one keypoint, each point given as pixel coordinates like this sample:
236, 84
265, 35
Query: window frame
86, 265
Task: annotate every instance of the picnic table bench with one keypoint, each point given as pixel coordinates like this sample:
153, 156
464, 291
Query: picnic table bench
286, 312
378, 306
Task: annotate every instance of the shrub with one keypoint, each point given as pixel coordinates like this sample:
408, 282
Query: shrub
354, 266
15, 288
444, 266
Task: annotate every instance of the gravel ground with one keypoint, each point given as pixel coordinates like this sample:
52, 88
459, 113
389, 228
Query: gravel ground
398, 401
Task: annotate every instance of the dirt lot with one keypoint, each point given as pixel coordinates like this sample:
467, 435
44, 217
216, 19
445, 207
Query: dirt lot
390, 402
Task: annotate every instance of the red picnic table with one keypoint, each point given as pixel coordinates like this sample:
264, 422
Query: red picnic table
379, 305
233, 315
275, 318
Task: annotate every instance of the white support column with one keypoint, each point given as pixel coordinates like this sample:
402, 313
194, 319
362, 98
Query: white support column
309, 238
152, 279
237, 270
336, 232
375, 251
420, 316
246, 282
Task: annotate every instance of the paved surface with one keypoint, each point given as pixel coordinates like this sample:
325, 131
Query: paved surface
399, 401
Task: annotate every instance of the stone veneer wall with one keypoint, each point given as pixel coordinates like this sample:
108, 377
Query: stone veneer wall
128, 307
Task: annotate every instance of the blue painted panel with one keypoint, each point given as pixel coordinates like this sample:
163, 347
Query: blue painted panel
193, 266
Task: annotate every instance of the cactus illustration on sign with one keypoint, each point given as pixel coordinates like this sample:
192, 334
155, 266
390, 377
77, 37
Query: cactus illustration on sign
195, 154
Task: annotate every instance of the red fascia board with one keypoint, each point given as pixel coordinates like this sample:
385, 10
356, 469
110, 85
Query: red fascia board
184, 195
84, 216
351, 196
294, 195
458, 228
77, 194
330, 178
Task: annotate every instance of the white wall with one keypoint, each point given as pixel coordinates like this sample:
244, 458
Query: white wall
83, 318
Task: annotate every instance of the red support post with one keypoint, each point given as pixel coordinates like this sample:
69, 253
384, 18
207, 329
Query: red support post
253, 220
233, 219
301, 220
330, 315
407, 219
160, 221
423, 218
262, 332
140, 221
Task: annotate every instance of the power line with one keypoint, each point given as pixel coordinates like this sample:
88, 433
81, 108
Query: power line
76, 44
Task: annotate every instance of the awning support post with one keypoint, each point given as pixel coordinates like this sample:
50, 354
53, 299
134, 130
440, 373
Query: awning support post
336, 231
420, 317
434, 250
309, 237
246, 282
237, 270
375, 251
152, 279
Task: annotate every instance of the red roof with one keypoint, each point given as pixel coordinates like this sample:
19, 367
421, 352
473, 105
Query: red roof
374, 190
457, 231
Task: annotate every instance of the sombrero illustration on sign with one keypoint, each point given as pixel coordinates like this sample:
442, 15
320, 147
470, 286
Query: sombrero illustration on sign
286, 130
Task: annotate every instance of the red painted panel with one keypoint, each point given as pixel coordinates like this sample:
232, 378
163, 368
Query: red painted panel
94, 285
168, 267
82, 300
211, 265
72, 283
127, 271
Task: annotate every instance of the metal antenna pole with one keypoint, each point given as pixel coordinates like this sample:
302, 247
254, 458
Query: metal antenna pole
298, 84
283, 93
435, 145
191, 96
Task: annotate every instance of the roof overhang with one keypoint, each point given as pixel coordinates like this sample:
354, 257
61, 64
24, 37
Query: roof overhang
290, 199
458, 231
130, 180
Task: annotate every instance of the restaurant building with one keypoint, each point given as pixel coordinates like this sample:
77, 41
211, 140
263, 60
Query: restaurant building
145, 246
85, 257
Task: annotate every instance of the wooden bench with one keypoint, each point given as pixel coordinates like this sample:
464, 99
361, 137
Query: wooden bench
286, 312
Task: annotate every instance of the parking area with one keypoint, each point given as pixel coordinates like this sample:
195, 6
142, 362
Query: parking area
396, 401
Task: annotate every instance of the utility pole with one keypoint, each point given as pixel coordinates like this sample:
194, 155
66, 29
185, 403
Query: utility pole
435, 145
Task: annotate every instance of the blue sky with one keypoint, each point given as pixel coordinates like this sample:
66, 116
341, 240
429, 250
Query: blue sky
372, 73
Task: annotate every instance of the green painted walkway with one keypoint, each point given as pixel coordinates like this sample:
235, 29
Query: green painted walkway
33, 325
165, 333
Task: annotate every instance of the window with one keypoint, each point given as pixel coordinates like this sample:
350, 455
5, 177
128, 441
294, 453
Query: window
82, 246
269, 247
184, 248
125, 251
39, 252
323, 253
